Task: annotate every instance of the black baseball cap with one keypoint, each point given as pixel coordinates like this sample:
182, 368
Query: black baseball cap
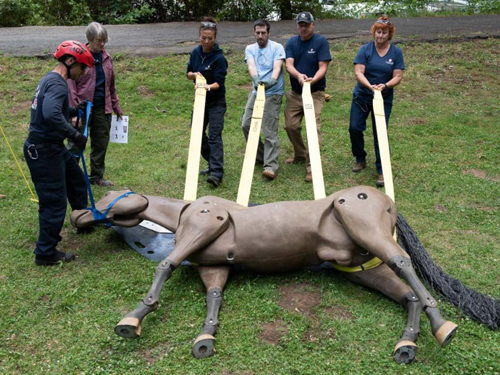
305, 17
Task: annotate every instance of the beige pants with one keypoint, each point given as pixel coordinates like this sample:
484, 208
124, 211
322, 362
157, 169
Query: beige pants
294, 112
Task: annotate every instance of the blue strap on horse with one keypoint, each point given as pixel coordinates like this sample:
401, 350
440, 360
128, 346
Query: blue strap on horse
99, 216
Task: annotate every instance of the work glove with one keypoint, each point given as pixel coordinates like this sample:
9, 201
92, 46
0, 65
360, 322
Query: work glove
269, 84
79, 109
79, 140
255, 80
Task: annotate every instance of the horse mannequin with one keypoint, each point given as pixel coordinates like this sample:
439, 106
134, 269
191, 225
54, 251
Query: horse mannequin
350, 229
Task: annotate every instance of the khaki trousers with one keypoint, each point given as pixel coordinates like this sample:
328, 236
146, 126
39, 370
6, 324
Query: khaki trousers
294, 112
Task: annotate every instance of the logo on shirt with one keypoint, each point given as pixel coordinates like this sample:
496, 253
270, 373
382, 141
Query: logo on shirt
390, 62
311, 51
208, 67
34, 105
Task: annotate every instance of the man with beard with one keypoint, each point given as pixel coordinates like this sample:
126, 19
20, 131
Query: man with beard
265, 61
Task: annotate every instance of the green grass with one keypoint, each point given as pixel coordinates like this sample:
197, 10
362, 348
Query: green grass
445, 145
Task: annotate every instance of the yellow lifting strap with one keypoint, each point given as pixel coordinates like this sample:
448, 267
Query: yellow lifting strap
383, 144
372, 263
33, 199
252, 147
313, 142
193, 165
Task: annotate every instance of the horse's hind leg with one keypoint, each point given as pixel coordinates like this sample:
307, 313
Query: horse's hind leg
383, 279
214, 279
200, 228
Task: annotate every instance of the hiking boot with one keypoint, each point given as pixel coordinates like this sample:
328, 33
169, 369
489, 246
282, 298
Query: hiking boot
215, 181
204, 172
59, 256
359, 166
309, 177
294, 160
102, 182
269, 173
380, 180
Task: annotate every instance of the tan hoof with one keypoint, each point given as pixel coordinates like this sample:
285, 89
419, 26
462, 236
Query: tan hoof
445, 333
405, 352
204, 346
129, 328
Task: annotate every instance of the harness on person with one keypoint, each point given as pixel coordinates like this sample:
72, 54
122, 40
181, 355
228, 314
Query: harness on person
99, 216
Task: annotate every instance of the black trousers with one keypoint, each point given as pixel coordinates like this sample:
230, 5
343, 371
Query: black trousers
212, 148
57, 178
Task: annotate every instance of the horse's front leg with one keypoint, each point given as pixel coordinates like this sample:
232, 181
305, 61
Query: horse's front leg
197, 231
214, 279
383, 279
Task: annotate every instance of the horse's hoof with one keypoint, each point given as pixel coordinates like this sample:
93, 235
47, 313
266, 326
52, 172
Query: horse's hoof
445, 333
204, 346
405, 352
129, 328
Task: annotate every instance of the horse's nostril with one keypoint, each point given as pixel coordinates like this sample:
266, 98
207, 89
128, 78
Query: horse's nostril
220, 218
341, 201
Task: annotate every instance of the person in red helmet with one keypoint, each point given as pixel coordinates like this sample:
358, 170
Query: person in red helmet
54, 171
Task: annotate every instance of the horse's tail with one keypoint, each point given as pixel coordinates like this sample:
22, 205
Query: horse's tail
476, 305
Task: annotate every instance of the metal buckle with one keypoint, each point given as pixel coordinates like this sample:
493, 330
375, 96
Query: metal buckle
32, 152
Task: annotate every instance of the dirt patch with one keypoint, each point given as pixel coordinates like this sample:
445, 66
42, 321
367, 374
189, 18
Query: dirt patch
482, 208
273, 332
145, 92
440, 208
417, 121
299, 298
20, 107
480, 174
339, 312
315, 334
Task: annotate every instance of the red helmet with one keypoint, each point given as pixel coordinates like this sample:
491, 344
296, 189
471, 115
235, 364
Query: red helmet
77, 50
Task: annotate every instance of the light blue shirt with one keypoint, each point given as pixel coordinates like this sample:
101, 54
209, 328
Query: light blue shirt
264, 61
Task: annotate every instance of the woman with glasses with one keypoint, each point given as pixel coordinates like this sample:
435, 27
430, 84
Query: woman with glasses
97, 86
208, 60
378, 66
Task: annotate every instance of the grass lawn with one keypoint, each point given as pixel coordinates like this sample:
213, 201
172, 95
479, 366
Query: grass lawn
445, 142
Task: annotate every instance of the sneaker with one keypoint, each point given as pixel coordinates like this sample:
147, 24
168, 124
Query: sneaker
269, 173
59, 256
309, 177
214, 180
359, 166
294, 160
380, 180
204, 172
102, 182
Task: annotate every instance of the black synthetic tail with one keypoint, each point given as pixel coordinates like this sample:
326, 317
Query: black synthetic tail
475, 305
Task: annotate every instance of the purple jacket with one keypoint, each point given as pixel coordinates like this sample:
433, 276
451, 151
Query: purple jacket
83, 88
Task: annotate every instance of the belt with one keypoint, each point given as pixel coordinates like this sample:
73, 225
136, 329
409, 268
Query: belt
38, 142
375, 262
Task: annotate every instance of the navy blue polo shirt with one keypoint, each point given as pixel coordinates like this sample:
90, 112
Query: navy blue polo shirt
378, 69
307, 55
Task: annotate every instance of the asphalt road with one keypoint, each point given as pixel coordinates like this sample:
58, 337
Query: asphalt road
180, 37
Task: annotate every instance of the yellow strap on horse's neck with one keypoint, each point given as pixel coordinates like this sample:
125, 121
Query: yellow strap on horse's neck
372, 263
33, 199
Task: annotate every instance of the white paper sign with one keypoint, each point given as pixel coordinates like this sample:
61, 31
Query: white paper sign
119, 129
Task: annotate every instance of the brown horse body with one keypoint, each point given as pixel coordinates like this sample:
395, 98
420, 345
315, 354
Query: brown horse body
350, 228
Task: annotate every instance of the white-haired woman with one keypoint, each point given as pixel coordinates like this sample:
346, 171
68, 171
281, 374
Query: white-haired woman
98, 86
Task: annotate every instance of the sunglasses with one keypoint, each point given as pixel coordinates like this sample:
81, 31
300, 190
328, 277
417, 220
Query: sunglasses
384, 22
210, 25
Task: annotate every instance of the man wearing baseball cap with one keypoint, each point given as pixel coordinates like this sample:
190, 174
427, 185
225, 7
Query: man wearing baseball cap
307, 58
